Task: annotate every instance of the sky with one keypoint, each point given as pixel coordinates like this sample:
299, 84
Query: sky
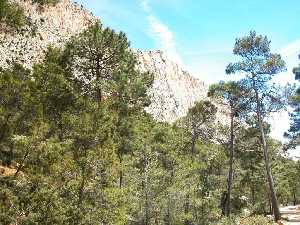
200, 34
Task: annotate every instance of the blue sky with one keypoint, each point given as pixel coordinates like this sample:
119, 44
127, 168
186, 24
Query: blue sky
200, 34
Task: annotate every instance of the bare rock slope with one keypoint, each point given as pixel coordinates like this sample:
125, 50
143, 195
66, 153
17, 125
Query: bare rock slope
174, 90
47, 25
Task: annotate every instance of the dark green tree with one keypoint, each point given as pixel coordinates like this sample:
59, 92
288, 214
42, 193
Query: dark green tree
251, 180
95, 56
199, 122
14, 95
128, 100
232, 94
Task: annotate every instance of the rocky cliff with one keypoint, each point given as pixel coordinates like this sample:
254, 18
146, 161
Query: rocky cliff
174, 90
46, 25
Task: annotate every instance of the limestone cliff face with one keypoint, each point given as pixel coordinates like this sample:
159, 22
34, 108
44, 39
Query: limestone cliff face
174, 90
47, 25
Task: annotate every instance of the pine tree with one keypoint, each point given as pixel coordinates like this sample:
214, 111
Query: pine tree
259, 66
199, 122
95, 56
232, 93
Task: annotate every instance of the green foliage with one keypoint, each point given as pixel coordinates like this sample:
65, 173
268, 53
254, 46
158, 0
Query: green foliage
96, 56
199, 122
253, 220
11, 14
258, 65
294, 132
46, 2
233, 94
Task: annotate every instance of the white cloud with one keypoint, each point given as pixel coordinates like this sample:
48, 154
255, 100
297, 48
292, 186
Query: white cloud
162, 34
291, 49
281, 121
290, 55
164, 38
145, 6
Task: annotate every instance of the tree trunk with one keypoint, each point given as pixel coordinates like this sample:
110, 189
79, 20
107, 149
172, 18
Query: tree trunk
270, 204
223, 203
295, 199
99, 97
274, 200
253, 199
22, 163
121, 172
81, 187
187, 209
193, 144
230, 173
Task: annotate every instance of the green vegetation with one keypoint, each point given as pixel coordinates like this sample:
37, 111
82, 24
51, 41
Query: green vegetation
294, 132
46, 2
77, 147
11, 14
232, 93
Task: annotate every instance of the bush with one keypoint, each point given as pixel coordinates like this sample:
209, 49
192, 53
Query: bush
252, 220
46, 2
11, 14
256, 220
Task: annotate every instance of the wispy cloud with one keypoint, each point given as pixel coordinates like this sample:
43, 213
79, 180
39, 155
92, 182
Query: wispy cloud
280, 121
145, 6
291, 49
162, 34
290, 55
164, 38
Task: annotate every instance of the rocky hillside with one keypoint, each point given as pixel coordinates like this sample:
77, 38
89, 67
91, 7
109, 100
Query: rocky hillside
174, 90
46, 25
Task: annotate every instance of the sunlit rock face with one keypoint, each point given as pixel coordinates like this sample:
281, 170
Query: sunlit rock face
174, 90
47, 25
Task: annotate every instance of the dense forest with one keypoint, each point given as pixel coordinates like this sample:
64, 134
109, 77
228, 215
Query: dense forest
77, 147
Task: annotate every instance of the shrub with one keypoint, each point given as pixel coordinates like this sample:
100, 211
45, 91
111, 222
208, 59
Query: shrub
46, 2
11, 14
252, 220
